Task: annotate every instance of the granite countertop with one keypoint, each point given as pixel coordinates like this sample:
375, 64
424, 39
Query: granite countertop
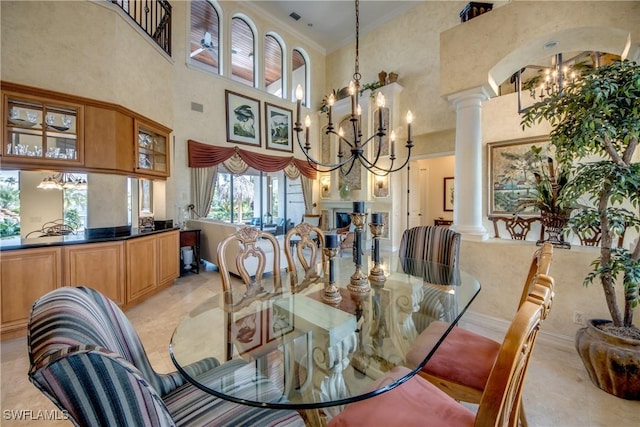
80, 238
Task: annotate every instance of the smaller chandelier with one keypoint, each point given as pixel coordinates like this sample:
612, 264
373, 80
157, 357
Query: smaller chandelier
357, 146
63, 181
548, 80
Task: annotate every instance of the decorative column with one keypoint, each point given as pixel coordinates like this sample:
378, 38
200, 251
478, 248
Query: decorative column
467, 198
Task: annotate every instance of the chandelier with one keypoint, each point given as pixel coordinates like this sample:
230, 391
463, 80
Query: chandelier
357, 145
63, 181
551, 79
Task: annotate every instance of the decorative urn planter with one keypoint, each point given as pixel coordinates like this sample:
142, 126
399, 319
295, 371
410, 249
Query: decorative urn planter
613, 362
554, 224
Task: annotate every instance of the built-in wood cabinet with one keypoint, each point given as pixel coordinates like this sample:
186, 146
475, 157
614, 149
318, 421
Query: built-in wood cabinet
126, 271
26, 274
109, 134
152, 264
100, 266
42, 129
152, 156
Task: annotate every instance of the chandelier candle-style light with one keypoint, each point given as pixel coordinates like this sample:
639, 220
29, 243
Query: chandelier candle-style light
357, 146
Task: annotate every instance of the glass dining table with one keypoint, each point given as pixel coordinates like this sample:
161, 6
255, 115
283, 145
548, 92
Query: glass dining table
310, 354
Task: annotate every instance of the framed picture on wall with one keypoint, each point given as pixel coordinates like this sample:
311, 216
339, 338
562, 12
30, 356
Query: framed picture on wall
387, 225
448, 194
243, 119
381, 186
278, 128
511, 173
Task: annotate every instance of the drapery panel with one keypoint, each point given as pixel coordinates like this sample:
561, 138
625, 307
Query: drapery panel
202, 184
237, 160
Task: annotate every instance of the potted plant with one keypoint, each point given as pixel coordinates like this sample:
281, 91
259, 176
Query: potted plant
548, 182
596, 127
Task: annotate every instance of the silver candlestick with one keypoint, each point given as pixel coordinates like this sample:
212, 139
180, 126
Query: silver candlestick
359, 280
331, 293
377, 273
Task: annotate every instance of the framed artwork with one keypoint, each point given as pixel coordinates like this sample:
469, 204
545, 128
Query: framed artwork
325, 187
511, 165
145, 190
243, 119
384, 144
278, 128
387, 225
246, 332
353, 180
448, 194
279, 318
381, 186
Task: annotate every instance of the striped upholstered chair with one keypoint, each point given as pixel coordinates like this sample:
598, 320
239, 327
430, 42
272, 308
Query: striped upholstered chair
86, 357
440, 247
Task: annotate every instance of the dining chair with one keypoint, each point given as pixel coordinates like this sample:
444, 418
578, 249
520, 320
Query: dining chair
462, 363
417, 402
250, 260
86, 357
308, 253
431, 252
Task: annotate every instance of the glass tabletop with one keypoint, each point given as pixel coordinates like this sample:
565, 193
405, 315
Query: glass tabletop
293, 350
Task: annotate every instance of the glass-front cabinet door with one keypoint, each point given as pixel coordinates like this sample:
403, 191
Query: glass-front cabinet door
152, 145
42, 131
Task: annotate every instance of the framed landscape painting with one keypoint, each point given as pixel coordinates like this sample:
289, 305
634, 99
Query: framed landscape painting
243, 119
278, 127
511, 173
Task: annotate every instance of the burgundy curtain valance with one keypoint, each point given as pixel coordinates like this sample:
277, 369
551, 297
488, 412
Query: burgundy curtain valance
204, 155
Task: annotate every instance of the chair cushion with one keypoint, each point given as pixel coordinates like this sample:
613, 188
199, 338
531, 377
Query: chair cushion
470, 368
417, 402
190, 406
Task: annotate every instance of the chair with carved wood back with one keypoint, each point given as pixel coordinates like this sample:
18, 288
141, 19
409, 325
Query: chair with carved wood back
462, 363
308, 252
417, 402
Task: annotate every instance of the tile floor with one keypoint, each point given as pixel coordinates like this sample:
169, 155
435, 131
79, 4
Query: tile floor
557, 389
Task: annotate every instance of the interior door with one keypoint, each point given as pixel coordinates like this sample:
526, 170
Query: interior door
418, 190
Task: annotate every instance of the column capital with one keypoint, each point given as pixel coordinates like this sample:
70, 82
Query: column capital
473, 95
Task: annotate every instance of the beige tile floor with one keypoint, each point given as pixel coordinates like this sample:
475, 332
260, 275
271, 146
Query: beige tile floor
557, 389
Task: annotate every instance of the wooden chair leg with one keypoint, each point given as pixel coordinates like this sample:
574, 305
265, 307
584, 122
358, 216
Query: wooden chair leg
521, 415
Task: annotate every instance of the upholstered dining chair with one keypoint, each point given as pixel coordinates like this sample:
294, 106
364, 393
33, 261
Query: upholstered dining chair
87, 358
250, 260
417, 402
432, 253
462, 363
307, 251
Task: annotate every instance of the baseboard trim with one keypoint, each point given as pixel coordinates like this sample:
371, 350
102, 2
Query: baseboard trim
496, 328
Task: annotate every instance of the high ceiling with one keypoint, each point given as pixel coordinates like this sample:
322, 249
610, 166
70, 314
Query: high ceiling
331, 23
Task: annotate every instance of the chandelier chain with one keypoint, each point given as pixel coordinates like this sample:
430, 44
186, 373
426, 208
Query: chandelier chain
356, 74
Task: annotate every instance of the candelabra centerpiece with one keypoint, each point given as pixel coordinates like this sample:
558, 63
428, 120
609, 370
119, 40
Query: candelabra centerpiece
358, 145
359, 282
331, 292
376, 226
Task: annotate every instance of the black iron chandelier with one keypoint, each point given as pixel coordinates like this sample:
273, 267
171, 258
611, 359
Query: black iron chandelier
357, 146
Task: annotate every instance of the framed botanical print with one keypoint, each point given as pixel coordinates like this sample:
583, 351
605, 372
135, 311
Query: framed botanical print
448, 194
278, 128
243, 119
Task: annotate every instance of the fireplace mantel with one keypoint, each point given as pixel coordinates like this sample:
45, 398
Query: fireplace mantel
333, 206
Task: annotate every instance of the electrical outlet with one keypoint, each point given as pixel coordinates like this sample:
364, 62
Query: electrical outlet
578, 318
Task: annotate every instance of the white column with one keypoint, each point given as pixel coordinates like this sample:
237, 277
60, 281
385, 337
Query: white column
467, 197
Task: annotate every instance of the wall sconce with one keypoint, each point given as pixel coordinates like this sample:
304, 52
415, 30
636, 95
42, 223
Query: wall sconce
325, 186
381, 186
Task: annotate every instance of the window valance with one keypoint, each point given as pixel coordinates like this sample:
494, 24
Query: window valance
237, 160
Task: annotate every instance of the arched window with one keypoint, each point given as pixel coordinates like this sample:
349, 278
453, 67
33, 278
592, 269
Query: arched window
204, 37
242, 52
299, 76
273, 61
